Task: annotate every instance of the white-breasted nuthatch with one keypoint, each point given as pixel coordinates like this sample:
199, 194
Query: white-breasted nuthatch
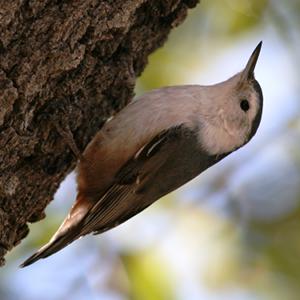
153, 146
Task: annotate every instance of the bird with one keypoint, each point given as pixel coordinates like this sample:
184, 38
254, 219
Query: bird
154, 145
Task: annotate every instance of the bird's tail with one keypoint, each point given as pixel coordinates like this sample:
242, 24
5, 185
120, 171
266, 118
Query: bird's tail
54, 245
68, 231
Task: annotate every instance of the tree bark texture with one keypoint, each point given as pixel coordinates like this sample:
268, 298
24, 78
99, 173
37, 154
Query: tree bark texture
71, 63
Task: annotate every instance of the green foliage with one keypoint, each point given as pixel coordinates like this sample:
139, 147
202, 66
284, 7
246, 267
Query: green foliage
148, 277
239, 16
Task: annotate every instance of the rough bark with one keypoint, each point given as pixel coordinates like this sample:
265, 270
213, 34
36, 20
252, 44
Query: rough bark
72, 63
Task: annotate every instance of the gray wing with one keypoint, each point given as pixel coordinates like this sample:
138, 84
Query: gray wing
171, 159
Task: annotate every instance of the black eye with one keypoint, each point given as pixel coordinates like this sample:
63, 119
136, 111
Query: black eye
244, 104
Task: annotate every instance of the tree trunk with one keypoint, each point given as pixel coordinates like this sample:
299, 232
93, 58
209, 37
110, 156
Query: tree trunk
71, 63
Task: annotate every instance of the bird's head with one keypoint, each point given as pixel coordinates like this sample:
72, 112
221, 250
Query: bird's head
234, 110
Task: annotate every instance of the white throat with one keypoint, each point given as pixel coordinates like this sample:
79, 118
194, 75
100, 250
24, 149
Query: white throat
218, 140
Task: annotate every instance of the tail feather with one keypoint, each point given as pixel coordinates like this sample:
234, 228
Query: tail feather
68, 231
55, 244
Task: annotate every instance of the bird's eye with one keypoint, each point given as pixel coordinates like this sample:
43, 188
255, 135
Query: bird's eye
244, 104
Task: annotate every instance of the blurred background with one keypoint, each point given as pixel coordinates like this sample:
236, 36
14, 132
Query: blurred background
232, 233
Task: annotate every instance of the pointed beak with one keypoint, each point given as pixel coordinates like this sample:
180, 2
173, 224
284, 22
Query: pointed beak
248, 72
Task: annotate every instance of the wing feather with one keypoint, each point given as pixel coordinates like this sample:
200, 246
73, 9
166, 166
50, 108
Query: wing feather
127, 196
